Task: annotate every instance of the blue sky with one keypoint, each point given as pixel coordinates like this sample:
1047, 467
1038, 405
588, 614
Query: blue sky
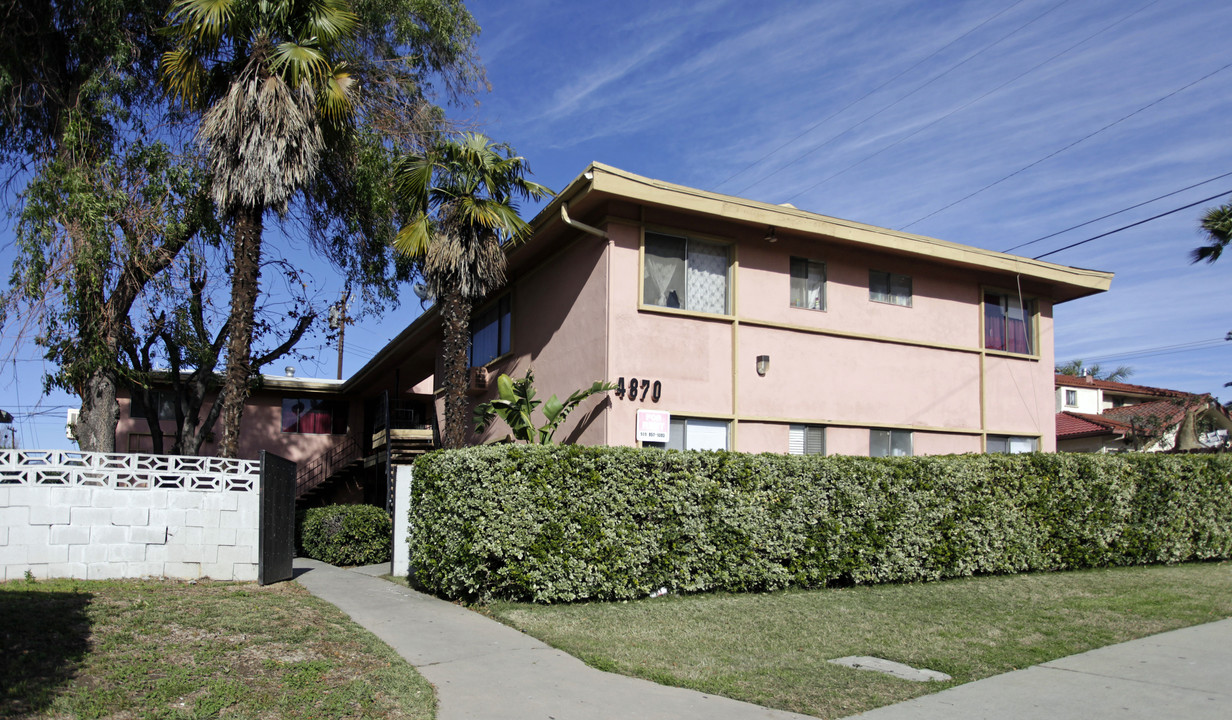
989, 123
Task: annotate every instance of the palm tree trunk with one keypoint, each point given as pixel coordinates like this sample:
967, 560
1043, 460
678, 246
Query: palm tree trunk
455, 343
245, 272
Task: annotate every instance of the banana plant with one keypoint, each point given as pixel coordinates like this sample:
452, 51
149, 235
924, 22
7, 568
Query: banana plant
516, 404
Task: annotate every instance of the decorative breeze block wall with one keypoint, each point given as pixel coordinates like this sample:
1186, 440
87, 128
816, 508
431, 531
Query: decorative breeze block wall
98, 515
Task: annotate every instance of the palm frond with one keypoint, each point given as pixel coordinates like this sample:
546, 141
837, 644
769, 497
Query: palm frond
414, 238
336, 98
328, 21
1217, 225
203, 21
300, 63
183, 75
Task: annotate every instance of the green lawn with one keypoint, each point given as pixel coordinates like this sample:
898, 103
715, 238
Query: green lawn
164, 649
772, 649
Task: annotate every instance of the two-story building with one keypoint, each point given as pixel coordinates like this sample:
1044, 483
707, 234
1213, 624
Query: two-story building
748, 326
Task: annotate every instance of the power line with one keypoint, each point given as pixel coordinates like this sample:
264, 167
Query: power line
851, 104
968, 104
904, 97
1067, 147
1160, 350
1132, 225
1118, 212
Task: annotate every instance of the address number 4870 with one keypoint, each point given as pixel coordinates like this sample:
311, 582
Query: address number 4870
639, 389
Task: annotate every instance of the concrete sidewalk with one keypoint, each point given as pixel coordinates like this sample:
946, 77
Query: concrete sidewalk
485, 670
482, 669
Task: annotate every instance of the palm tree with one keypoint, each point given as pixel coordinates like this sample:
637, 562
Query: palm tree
267, 75
1217, 224
462, 196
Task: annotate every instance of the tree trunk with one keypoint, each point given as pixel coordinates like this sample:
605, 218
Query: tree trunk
246, 269
100, 412
455, 344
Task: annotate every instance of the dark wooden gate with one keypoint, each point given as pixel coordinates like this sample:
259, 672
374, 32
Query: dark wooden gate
276, 544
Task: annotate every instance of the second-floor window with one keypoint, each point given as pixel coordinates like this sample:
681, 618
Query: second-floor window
685, 273
808, 284
1008, 323
490, 333
314, 416
1071, 398
884, 287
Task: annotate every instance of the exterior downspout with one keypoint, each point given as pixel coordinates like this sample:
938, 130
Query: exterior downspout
564, 216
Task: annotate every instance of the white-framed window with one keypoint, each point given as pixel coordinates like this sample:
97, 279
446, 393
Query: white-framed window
806, 440
1012, 444
884, 287
490, 332
889, 443
1008, 323
808, 284
1071, 398
685, 273
696, 434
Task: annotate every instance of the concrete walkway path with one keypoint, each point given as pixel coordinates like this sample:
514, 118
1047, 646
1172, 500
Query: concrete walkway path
482, 669
485, 670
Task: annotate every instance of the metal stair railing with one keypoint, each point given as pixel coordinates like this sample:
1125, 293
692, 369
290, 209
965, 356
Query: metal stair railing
321, 468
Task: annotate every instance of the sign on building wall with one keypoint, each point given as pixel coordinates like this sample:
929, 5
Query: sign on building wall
654, 426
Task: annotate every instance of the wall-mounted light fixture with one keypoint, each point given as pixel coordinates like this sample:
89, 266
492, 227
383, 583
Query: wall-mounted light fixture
770, 236
763, 364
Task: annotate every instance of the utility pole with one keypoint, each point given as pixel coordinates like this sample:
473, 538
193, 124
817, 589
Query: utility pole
338, 321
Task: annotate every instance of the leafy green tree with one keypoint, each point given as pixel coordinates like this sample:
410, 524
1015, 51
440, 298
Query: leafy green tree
463, 197
1075, 368
74, 76
516, 405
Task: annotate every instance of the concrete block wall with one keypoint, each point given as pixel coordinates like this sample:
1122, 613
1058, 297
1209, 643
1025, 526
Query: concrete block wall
99, 516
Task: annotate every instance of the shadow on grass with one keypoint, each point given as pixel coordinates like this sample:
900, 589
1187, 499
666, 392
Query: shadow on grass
44, 637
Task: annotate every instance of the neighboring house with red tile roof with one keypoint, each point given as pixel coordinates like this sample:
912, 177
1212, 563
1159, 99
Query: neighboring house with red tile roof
1105, 416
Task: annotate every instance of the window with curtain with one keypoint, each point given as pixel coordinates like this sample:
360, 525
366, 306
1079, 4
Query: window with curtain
490, 333
806, 440
1008, 323
684, 273
314, 416
808, 284
1071, 398
884, 287
1012, 444
889, 443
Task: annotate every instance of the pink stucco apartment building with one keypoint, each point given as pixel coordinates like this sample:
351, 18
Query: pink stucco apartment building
752, 326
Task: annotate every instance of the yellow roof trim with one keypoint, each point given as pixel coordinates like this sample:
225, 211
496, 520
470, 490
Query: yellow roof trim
607, 179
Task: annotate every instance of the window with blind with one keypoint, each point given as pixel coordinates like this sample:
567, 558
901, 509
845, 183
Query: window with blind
490, 333
806, 440
889, 443
684, 273
1008, 323
808, 284
884, 287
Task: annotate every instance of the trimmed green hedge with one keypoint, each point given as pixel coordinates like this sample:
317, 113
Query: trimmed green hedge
565, 523
346, 534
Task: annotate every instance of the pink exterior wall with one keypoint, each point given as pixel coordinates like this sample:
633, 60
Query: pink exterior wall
558, 329
261, 429
921, 372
